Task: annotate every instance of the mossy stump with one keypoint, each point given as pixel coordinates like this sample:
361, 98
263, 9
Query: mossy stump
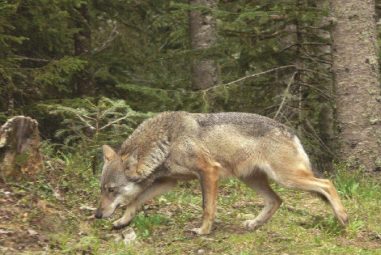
20, 155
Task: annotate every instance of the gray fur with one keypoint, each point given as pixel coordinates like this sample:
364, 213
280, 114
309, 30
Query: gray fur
153, 139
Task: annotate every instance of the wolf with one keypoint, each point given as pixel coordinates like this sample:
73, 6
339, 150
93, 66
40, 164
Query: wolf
181, 146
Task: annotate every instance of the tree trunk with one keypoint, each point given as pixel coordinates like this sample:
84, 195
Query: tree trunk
356, 72
82, 47
203, 35
19, 148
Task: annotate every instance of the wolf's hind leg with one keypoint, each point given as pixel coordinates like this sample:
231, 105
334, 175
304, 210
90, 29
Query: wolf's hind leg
260, 184
157, 188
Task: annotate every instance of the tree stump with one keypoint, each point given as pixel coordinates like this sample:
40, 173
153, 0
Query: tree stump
20, 148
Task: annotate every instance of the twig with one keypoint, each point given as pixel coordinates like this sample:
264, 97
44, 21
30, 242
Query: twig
285, 94
248, 76
88, 117
251, 33
113, 34
113, 122
219, 85
323, 93
319, 139
302, 44
317, 72
316, 60
33, 59
86, 122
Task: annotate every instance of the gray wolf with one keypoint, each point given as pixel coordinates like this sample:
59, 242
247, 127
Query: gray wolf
180, 146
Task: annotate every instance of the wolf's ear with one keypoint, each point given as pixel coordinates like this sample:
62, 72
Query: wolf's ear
108, 153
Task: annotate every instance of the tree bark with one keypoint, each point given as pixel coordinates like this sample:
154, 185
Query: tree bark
203, 35
356, 74
19, 148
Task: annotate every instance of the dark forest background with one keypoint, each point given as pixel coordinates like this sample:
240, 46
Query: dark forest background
84, 69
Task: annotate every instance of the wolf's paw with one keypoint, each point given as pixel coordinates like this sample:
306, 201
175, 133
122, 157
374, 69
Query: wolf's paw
200, 231
252, 224
121, 223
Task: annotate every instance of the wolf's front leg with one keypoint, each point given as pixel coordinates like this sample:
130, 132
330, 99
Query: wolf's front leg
157, 188
209, 180
128, 215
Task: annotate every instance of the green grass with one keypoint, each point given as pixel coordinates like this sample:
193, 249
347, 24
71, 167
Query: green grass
303, 225
144, 224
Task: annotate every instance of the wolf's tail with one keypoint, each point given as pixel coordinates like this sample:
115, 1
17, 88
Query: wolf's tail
319, 175
307, 162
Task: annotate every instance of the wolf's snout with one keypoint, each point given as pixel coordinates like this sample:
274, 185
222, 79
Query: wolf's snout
98, 214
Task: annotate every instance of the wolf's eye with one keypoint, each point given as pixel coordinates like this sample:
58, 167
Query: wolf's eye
111, 189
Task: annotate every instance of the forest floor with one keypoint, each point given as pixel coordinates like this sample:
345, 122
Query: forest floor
53, 215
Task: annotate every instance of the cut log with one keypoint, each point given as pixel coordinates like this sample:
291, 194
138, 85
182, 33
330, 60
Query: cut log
20, 148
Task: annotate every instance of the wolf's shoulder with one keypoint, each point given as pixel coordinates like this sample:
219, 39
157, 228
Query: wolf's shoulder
158, 127
166, 119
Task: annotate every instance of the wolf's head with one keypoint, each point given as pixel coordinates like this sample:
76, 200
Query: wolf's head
116, 188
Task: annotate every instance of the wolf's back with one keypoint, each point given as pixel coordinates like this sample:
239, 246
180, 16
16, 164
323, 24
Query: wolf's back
248, 123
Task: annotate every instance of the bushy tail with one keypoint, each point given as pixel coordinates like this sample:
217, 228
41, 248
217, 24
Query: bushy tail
307, 162
319, 175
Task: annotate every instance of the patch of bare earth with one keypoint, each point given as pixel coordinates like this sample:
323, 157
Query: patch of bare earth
365, 239
25, 221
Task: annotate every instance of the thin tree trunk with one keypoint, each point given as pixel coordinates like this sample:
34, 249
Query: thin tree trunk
298, 77
82, 47
356, 72
203, 35
327, 122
